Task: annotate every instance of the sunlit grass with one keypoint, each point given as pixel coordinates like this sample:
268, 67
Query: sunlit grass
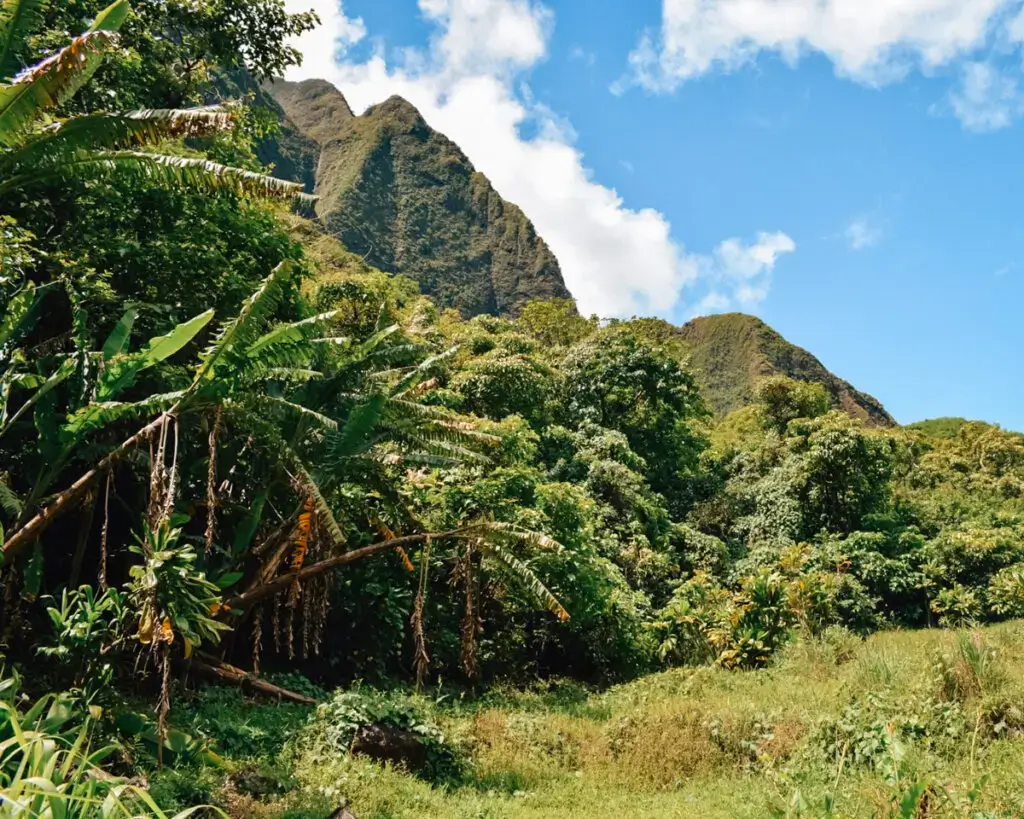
713, 743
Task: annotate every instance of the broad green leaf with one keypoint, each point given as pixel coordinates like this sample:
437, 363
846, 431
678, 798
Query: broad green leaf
112, 17
17, 308
49, 84
242, 329
117, 342
296, 331
355, 436
226, 581
33, 580
98, 415
247, 528
18, 19
122, 371
65, 370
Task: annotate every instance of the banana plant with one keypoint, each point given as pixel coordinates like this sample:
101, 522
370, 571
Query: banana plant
39, 148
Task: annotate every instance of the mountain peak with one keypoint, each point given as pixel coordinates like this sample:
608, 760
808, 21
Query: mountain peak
731, 352
316, 107
409, 201
398, 108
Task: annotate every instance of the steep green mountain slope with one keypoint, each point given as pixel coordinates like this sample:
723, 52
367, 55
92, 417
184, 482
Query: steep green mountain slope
409, 201
731, 352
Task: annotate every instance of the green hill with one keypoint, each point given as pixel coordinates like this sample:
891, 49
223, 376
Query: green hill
408, 200
732, 352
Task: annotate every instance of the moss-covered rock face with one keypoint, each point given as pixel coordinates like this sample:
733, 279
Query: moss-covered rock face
730, 353
408, 200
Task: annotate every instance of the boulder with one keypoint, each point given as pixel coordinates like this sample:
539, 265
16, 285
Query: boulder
384, 743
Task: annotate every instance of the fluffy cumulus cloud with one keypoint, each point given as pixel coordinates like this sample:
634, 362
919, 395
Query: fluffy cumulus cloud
468, 84
869, 41
741, 273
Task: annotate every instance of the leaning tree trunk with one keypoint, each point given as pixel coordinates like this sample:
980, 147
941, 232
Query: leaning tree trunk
248, 599
71, 496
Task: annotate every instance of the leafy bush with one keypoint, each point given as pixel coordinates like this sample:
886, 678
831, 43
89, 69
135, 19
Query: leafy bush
48, 768
334, 726
1006, 592
870, 729
957, 607
86, 629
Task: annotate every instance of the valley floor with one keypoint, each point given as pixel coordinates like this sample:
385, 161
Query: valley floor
902, 724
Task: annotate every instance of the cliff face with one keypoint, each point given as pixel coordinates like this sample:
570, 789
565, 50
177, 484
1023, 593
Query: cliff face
731, 353
409, 201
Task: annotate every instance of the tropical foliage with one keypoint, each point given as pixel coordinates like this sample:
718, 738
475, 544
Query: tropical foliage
232, 450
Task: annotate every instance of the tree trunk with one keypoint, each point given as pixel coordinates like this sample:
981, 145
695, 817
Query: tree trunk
229, 673
245, 601
71, 496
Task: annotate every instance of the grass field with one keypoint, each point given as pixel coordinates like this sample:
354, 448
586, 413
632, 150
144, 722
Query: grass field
903, 724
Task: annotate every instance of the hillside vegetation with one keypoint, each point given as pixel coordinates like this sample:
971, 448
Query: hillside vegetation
283, 533
731, 353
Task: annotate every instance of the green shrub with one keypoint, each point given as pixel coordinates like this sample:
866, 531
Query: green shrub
335, 724
957, 607
1006, 592
869, 730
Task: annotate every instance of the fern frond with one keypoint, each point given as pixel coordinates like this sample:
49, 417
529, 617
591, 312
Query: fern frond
420, 373
108, 131
49, 84
157, 169
391, 457
517, 533
304, 412
18, 19
392, 353
525, 575
437, 445
99, 415
236, 334
291, 333
296, 374
310, 484
355, 437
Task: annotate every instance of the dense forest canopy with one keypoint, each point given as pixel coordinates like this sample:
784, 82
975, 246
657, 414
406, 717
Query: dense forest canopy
229, 447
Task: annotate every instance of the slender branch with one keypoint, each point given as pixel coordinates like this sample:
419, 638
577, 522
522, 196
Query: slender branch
70, 497
243, 602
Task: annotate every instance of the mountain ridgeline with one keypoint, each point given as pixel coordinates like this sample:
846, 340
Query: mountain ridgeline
730, 353
409, 201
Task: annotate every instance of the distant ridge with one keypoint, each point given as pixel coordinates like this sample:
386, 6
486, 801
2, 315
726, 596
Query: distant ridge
732, 352
409, 201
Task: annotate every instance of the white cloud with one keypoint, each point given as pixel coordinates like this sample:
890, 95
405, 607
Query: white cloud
986, 99
869, 40
862, 233
330, 39
484, 35
741, 273
617, 261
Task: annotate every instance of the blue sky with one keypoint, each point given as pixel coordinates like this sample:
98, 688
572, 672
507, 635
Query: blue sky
849, 170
